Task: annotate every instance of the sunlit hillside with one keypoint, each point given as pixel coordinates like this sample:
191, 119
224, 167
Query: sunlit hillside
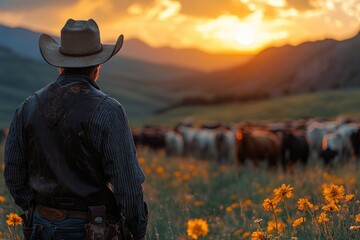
327, 104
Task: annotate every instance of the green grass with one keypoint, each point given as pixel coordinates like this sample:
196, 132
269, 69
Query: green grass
327, 104
173, 199
229, 199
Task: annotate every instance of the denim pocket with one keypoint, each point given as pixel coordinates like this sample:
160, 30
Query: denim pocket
73, 233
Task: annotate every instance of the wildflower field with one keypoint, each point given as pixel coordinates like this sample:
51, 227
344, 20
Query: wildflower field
193, 199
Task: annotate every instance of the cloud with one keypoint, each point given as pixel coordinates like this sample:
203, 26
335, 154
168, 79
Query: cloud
214, 8
12, 5
300, 5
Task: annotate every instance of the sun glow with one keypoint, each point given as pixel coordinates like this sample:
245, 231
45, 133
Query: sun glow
245, 35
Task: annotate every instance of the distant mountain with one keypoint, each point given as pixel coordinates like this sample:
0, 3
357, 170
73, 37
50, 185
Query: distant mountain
188, 58
308, 67
25, 43
21, 41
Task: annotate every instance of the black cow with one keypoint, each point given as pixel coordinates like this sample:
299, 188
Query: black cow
294, 148
153, 137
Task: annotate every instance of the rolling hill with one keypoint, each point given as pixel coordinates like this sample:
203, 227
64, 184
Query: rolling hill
325, 104
308, 67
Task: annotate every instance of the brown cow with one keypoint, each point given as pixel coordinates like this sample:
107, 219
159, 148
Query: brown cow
257, 144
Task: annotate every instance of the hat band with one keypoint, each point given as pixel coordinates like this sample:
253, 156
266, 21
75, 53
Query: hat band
81, 54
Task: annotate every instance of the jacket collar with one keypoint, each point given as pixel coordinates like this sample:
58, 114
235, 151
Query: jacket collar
65, 79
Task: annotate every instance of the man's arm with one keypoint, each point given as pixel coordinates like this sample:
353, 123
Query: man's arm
16, 168
111, 136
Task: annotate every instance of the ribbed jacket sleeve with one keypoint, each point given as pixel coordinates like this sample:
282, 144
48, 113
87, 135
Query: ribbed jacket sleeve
111, 136
16, 170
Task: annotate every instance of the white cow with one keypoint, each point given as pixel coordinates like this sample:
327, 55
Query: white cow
204, 144
174, 143
315, 132
225, 145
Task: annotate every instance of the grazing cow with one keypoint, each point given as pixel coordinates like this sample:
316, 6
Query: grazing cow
204, 144
225, 145
337, 145
188, 134
174, 143
331, 146
153, 137
315, 133
294, 147
256, 145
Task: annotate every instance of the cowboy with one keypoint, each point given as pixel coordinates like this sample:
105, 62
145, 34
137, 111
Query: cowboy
70, 159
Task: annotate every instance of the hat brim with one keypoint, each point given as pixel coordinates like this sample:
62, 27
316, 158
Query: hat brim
50, 50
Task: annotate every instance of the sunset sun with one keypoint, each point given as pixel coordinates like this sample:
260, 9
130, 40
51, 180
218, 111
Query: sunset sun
245, 35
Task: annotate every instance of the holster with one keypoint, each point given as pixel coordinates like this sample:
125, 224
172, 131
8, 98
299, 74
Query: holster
99, 228
27, 224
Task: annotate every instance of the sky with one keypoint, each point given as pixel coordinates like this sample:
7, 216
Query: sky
215, 26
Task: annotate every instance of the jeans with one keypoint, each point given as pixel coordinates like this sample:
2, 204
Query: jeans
67, 229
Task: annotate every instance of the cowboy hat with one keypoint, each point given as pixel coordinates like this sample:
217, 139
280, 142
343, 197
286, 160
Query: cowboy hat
80, 46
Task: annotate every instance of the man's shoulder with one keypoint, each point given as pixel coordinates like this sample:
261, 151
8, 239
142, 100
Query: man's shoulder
111, 105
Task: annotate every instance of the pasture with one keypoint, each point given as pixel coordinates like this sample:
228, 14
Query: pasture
231, 200
327, 104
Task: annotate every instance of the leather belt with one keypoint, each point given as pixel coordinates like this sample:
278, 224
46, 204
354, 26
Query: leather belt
57, 214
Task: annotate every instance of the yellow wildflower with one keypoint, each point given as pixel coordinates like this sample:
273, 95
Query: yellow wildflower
141, 160
198, 203
278, 211
303, 203
333, 193
177, 174
269, 205
332, 207
235, 205
283, 192
197, 227
299, 221
349, 197
228, 209
2, 199
159, 170
357, 218
272, 226
186, 177
258, 235
322, 218
13, 219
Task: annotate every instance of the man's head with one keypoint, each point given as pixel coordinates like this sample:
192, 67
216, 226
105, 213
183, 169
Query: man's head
80, 46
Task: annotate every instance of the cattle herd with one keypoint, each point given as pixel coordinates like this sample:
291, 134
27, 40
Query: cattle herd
285, 144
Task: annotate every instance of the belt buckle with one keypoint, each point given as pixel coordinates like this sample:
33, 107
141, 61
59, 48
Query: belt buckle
52, 214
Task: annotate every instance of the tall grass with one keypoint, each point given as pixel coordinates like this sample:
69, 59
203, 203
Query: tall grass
230, 199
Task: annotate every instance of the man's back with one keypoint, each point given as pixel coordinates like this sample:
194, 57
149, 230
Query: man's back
69, 142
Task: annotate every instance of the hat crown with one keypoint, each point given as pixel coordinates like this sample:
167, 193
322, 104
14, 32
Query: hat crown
80, 38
